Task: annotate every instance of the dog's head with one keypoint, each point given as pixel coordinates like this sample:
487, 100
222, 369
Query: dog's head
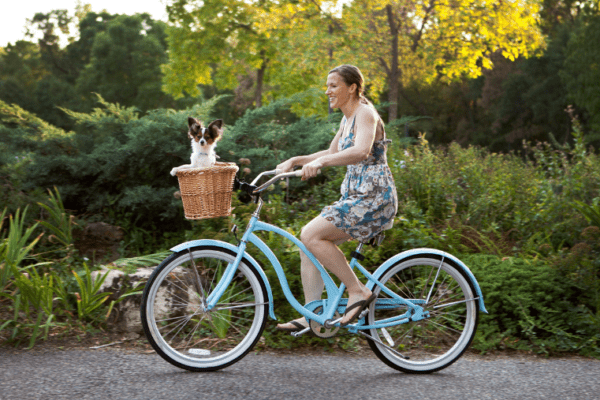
205, 136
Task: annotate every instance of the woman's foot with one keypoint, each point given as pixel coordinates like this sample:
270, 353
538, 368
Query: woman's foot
293, 326
356, 304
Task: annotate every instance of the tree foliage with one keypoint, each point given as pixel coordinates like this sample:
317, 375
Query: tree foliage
428, 41
419, 57
125, 62
396, 42
229, 42
118, 56
582, 70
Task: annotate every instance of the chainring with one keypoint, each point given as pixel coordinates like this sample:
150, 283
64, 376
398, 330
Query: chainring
319, 330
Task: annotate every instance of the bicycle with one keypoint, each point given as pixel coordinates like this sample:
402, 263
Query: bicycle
205, 306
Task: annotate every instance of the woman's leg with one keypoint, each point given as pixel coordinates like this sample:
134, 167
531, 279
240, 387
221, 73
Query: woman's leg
312, 285
312, 282
320, 237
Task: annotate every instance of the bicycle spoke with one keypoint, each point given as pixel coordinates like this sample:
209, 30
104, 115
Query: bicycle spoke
426, 282
191, 335
240, 306
168, 319
438, 288
437, 273
451, 320
442, 327
454, 303
180, 325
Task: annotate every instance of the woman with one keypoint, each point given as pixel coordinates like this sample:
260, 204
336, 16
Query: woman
369, 200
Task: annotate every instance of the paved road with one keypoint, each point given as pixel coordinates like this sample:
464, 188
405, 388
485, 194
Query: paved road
109, 374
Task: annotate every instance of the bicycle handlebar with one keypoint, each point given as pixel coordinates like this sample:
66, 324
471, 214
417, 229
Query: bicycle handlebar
277, 176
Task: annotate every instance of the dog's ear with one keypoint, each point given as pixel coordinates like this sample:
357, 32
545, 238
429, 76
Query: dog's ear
192, 121
216, 127
217, 122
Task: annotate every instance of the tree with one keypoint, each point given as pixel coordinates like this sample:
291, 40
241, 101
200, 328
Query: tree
79, 52
224, 42
435, 40
21, 67
125, 62
581, 72
50, 24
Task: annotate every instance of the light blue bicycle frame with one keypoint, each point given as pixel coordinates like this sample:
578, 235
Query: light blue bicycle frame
334, 301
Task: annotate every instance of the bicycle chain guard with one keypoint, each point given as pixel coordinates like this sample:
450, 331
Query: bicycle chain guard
319, 330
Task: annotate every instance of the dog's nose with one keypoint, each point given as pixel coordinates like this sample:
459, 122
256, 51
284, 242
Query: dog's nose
202, 142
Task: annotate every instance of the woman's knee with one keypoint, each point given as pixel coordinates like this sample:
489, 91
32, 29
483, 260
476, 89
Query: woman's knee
306, 236
318, 230
310, 234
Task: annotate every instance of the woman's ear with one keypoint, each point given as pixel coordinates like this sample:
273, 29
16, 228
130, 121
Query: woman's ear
353, 88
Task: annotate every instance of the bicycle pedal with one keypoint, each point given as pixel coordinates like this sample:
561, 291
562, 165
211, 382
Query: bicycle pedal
363, 313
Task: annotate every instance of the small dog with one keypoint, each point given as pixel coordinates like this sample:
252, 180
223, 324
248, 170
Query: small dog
204, 141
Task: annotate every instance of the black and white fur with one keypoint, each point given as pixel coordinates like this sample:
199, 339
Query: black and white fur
204, 141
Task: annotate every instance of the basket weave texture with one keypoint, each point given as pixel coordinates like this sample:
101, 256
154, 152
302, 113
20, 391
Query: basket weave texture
206, 192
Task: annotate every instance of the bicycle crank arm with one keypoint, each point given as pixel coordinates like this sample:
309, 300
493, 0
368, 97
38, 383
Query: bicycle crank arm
330, 323
300, 333
384, 345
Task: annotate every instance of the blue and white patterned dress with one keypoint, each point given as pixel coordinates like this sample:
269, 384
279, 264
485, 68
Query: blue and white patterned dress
369, 200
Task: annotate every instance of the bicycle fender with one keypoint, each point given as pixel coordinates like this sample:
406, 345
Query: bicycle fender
431, 252
229, 246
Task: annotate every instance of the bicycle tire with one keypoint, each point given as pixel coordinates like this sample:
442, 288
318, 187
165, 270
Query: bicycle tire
433, 343
176, 323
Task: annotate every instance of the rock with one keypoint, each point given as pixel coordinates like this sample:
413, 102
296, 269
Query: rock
98, 241
125, 316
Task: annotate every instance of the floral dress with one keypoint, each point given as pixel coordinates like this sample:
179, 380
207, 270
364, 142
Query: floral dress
369, 200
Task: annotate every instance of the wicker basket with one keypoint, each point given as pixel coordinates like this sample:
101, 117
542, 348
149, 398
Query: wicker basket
206, 192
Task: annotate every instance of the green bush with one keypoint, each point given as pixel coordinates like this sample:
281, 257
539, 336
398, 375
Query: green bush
531, 305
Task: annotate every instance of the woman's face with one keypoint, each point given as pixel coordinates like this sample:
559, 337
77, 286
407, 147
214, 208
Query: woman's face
338, 92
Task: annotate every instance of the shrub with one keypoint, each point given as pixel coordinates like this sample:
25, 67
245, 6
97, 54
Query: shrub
531, 305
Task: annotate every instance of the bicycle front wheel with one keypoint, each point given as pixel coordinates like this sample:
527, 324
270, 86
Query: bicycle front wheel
437, 341
175, 318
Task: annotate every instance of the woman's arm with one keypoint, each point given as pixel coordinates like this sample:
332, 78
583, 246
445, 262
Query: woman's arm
365, 128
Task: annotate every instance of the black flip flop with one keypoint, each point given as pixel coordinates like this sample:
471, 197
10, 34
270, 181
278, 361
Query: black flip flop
298, 327
362, 304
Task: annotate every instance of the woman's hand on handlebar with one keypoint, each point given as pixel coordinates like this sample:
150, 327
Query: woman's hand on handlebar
286, 166
311, 169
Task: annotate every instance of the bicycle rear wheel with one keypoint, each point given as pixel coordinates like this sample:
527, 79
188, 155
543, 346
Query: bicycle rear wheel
435, 342
179, 327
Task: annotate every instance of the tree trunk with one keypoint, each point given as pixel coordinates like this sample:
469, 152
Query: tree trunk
394, 71
260, 75
329, 109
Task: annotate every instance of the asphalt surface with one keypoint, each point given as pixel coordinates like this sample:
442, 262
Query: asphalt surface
106, 374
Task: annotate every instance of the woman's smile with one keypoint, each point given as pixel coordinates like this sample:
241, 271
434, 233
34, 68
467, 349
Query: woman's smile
336, 88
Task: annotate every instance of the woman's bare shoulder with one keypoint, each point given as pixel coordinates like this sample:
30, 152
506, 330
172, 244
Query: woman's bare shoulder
366, 114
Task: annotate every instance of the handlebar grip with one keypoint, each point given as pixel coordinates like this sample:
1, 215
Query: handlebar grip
297, 173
